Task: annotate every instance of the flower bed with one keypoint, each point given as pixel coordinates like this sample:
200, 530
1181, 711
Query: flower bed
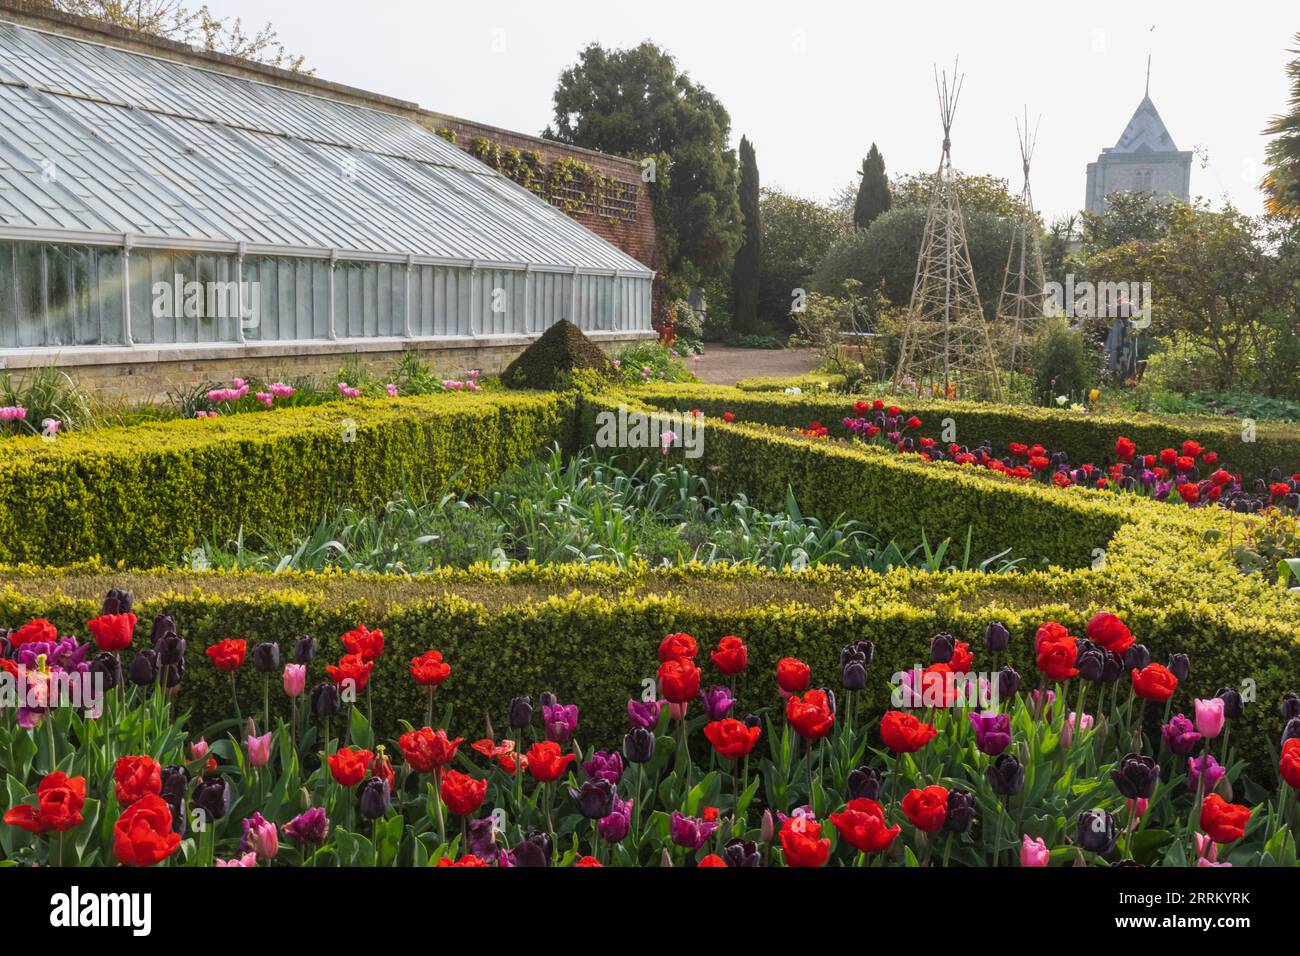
719, 755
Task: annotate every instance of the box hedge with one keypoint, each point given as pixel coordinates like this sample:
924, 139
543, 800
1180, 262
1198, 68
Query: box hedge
1086, 437
590, 634
148, 493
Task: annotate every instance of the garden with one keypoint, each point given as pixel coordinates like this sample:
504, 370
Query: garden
447, 627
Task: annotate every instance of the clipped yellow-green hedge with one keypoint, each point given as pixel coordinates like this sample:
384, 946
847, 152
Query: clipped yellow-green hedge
148, 493
1086, 437
590, 633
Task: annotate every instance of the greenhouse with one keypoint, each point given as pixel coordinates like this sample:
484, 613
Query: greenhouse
148, 202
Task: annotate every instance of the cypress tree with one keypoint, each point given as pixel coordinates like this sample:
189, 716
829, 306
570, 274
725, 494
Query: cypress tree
873, 191
744, 272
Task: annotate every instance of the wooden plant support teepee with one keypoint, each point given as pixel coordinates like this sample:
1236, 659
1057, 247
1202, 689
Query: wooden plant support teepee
1020, 306
946, 346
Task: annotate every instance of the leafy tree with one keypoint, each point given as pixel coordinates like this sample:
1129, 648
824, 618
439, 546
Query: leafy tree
796, 236
873, 192
1057, 258
635, 103
173, 20
1217, 277
887, 251
980, 193
1282, 183
745, 270
1129, 217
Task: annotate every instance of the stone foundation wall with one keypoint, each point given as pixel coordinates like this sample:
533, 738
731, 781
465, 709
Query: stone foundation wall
148, 374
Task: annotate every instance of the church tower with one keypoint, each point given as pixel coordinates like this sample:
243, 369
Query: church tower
1144, 160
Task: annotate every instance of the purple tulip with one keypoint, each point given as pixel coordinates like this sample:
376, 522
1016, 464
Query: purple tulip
644, 714
992, 732
1180, 735
717, 701
605, 765
614, 827
482, 840
259, 837
1207, 765
690, 832
561, 721
308, 828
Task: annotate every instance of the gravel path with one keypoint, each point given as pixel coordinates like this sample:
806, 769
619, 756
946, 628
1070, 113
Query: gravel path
725, 365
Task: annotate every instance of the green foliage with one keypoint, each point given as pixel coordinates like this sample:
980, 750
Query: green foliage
152, 492
887, 251
648, 362
745, 269
1282, 184
635, 103
558, 353
1129, 217
1061, 365
873, 196
46, 393
796, 235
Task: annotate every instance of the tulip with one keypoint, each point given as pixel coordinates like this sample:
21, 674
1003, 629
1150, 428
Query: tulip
690, 832
1074, 722
639, 745
1090, 661
295, 679
1210, 715
176, 804
996, 637
1180, 666
325, 699
560, 720
1096, 831
961, 811
740, 853
717, 701
260, 837
605, 765
645, 714
198, 749
266, 658
1034, 853
308, 828
767, 828
1136, 776
212, 796
992, 732
144, 667
942, 646
1008, 683
1291, 731
175, 780
864, 781
1290, 706
1233, 706
163, 624
1180, 735
534, 850
1207, 765
247, 861
374, 798
304, 650
521, 712
595, 798
259, 750
1006, 775
1137, 656
116, 602
108, 667
614, 826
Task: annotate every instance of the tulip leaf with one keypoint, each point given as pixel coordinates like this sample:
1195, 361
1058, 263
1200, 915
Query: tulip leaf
361, 734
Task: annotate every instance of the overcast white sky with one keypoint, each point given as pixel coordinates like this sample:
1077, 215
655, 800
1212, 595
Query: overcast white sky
814, 83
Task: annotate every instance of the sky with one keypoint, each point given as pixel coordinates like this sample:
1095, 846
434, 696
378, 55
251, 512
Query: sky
813, 84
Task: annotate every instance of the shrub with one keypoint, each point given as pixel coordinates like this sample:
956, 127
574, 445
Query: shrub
1061, 365
151, 492
549, 363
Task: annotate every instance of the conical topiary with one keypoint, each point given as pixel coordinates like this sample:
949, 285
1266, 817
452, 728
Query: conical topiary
551, 361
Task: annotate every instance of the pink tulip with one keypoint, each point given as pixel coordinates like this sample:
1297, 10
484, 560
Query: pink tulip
1072, 723
1140, 809
198, 749
295, 679
678, 711
1034, 852
259, 750
1209, 717
247, 860
260, 838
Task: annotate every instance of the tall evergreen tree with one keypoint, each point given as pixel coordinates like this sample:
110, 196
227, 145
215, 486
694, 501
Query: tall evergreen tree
873, 191
744, 272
